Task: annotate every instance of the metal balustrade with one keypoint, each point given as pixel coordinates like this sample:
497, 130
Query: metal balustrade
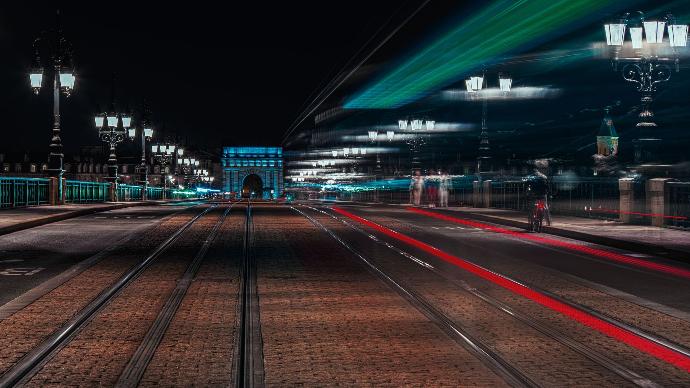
678, 204
129, 192
598, 198
20, 192
86, 192
156, 193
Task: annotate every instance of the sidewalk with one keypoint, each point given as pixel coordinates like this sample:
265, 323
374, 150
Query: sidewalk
664, 242
16, 219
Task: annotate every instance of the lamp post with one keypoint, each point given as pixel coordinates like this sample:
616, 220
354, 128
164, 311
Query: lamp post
63, 81
646, 64
474, 85
113, 129
163, 154
146, 133
416, 141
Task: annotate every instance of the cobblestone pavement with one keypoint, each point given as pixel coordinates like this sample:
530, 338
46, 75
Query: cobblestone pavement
521, 345
198, 347
98, 354
516, 262
28, 327
485, 250
327, 321
326, 318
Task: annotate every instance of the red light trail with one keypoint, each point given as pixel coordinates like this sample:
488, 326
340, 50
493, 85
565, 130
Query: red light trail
643, 344
619, 258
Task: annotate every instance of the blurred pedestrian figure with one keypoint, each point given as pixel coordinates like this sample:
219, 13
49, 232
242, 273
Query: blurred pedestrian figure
417, 188
431, 191
443, 191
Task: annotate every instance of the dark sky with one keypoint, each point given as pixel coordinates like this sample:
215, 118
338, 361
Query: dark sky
239, 74
235, 73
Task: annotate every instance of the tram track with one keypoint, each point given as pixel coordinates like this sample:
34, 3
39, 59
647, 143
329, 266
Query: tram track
136, 367
491, 359
544, 328
646, 333
249, 368
624, 333
33, 360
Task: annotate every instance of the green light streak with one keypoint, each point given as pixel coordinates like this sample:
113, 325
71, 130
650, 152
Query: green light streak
503, 27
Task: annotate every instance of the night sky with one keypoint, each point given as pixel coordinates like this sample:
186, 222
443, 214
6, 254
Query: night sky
234, 74
240, 74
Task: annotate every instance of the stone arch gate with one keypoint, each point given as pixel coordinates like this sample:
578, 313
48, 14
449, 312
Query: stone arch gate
240, 162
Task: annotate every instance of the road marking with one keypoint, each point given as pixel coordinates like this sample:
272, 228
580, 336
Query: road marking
11, 261
26, 271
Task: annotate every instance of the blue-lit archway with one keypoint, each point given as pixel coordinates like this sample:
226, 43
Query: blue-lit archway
266, 163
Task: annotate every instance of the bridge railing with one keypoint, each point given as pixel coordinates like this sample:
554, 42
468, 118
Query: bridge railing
678, 200
156, 193
19, 192
598, 198
129, 192
86, 192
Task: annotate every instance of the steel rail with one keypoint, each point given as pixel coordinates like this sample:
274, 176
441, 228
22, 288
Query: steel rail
493, 361
27, 365
641, 333
136, 367
543, 328
657, 339
249, 367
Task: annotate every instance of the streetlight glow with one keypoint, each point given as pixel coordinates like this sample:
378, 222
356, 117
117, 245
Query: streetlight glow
505, 83
615, 34
654, 31
636, 37
126, 121
474, 84
36, 79
678, 35
67, 80
390, 135
112, 120
99, 119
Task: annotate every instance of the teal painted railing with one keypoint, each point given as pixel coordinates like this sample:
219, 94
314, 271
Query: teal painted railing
129, 192
18, 192
155, 193
86, 192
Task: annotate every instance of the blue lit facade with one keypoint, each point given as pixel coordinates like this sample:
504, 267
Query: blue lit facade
265, 162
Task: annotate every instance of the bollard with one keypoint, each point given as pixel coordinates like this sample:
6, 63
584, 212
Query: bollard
626, 188
476, 194
656, 199
486, 193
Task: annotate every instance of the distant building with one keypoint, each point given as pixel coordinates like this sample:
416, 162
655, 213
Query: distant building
253, 171
607, 137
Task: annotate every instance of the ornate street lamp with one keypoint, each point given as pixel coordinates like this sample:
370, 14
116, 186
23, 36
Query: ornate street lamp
416, 141
646, 64
164, 155
474, 86
113, 128
146, 133
59, 51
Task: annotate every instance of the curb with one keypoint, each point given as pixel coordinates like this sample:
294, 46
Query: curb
67, 215
654, 250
